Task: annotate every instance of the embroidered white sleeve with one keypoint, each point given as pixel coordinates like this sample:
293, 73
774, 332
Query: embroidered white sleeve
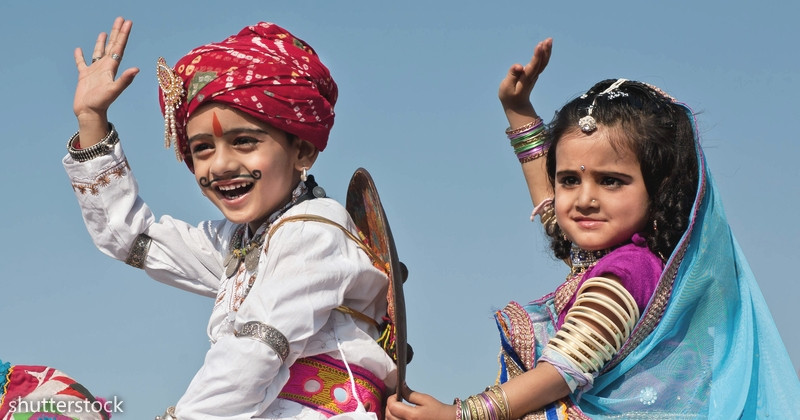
179, 254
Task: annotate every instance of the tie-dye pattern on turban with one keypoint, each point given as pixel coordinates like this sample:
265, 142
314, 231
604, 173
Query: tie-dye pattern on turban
263, 71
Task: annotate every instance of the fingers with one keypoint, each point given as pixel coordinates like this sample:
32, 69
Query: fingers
543, 51
118, 39
418, 398
515, 71
541, 56
112, 44
80, 62
99, 47
126, 78
396, 410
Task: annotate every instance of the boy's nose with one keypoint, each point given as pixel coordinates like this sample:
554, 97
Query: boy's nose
223, 163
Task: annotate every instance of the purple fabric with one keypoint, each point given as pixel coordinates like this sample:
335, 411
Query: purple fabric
638, 270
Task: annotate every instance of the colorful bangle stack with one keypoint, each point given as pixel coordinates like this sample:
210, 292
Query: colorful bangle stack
529, 141
489, 405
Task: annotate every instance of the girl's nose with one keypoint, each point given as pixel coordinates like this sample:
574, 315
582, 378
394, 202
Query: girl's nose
587, 199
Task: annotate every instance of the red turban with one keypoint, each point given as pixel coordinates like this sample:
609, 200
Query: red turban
263, 71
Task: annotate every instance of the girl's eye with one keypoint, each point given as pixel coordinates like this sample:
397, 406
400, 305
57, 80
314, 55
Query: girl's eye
569, 180
612, 182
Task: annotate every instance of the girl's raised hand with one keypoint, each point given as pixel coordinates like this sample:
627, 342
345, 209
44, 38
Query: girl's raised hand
515, 89
98, 84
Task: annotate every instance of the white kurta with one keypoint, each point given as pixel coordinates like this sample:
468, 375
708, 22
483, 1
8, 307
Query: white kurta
310, 269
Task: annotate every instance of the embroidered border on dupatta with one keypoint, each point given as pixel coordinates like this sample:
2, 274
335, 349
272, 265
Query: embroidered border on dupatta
655, 310
521, 333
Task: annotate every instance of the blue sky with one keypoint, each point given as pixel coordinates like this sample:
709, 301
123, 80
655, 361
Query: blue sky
418, 109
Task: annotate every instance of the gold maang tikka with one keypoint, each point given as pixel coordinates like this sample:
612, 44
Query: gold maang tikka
172, 89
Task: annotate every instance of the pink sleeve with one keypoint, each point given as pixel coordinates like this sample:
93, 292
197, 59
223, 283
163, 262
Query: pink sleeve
637, 268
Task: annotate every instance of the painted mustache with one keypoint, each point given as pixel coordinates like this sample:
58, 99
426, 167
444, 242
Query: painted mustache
205, 183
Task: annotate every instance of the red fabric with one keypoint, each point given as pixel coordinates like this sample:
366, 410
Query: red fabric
37, 384
24, 380
264, 71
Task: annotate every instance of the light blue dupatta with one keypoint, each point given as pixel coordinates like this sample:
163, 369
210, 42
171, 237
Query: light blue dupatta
705, 347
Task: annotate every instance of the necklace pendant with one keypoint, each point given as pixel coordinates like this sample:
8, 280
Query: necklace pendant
228, 259
251, 259
231, 265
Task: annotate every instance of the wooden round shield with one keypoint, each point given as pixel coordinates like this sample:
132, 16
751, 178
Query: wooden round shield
364, 206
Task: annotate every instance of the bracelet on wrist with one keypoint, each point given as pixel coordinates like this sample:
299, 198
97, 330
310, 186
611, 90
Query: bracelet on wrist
529, 141
101, 148
531, 125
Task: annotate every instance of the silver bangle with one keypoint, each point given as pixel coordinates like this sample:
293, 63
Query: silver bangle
267, 335
138, 251
102, 148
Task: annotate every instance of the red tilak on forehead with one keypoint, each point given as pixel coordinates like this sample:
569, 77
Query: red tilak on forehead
216, 125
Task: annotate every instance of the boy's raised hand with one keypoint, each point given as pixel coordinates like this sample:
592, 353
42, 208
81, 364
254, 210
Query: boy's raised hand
98, 85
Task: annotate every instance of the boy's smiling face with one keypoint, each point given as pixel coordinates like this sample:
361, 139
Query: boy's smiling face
246, 167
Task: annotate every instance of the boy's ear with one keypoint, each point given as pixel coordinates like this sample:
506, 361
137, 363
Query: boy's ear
306, 154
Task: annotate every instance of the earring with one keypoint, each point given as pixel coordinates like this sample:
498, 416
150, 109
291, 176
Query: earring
655, 225
304, 174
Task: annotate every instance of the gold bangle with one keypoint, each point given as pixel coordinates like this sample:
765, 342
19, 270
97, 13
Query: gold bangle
478, 408
498, 395
533, 157
512, 131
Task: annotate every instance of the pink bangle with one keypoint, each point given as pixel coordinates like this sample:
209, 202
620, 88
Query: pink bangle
533, 153
457, 402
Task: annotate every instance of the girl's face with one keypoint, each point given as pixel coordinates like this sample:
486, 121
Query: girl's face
600, 196
246, 167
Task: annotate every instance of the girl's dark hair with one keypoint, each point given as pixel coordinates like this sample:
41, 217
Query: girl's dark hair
660, 133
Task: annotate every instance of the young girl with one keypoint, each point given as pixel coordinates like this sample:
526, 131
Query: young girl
659, 316
293, 287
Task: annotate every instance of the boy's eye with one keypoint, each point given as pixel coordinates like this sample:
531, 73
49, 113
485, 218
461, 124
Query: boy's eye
244, 140
199, 147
